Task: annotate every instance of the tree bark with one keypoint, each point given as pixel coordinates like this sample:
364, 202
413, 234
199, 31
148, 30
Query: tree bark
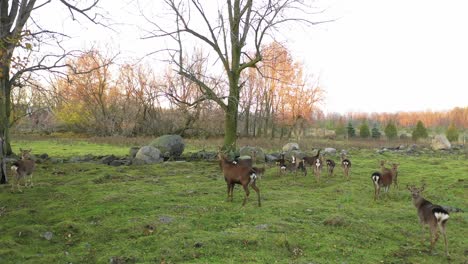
3, 172
5, 91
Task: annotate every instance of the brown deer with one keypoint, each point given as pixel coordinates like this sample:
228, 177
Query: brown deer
238, 174
330, 166
281, 163
315, 162
345, 164
23, 168
295, 166
381, 180
435, 216
259, 171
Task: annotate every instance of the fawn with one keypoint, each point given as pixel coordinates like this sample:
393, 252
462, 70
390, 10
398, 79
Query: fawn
23, 168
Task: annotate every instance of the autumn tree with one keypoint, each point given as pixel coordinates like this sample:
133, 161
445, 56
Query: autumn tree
229, 33
17, 38
187, 96
286, 99
89, 95
140, 99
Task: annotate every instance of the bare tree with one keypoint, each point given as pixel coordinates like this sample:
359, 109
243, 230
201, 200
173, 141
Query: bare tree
229, 32
17, 36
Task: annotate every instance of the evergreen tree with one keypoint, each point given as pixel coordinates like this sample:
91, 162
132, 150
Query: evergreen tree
375, 132
364, 131
351, 130
391, 130
420, 131
452, 133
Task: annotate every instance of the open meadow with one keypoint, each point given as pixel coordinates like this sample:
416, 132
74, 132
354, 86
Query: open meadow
176, 212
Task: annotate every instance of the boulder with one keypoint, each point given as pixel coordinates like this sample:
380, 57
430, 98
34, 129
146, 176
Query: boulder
290, 147
440, 142
169, 145
259, 153
147, 155
296, 153
108, 159
329, 151
133, 151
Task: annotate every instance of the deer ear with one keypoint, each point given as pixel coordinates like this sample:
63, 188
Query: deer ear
423, 186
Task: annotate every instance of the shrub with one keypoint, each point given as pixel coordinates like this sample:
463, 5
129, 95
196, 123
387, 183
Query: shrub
391, 130
351, 130
452, 133
420, 131
364, 131
375, 132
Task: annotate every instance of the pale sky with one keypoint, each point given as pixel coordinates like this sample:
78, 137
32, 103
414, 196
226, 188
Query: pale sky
379, 56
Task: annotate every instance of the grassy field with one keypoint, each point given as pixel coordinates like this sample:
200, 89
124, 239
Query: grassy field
176, 212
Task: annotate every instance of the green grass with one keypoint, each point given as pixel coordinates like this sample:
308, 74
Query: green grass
97, 212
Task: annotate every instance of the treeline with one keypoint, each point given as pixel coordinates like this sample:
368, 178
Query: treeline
458, 116
99, 97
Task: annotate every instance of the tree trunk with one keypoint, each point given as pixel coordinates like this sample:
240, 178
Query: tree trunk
230, 126
230, 122
4, 178
5, 109
247, 117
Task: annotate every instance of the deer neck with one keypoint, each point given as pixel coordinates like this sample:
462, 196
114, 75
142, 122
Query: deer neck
419, 201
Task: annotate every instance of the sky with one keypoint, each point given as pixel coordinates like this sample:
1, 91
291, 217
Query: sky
377, 56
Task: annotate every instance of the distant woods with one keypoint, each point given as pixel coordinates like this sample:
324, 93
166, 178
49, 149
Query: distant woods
103, 98
100, 97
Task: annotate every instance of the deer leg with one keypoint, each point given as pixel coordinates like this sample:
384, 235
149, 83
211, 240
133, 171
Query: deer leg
247, 192
434, 236
442, 230
31, 180
254, 186
232, 191
422, 233
228, 191
18, 186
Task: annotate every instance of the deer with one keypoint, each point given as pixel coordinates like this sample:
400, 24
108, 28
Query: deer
395, 174
381, 180
330, 166
259, 171
23, 168
238, 174
345, 164
316, 162
281, 162
435, 216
